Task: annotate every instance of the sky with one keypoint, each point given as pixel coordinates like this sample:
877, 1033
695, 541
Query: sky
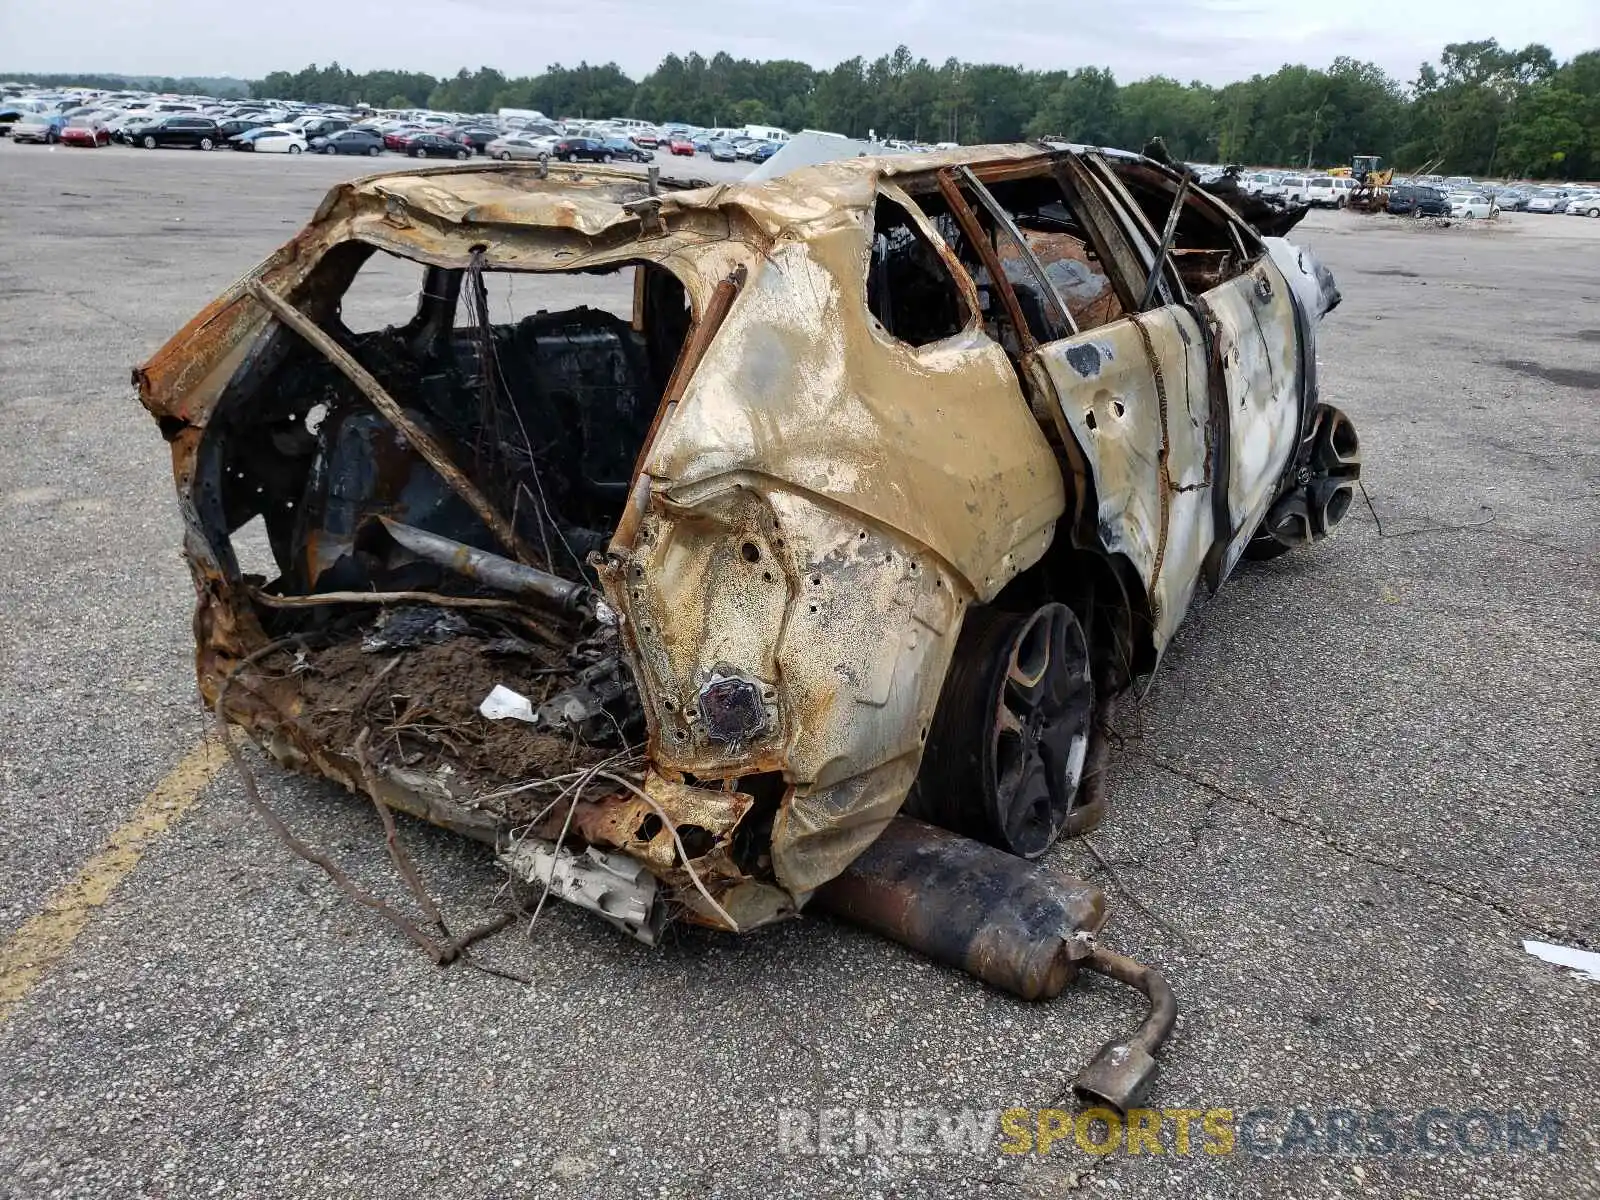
1215, 41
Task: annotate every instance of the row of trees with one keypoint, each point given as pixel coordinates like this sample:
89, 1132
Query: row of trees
1482, 109
177, 85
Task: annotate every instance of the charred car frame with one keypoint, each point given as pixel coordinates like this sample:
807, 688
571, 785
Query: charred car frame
812, 580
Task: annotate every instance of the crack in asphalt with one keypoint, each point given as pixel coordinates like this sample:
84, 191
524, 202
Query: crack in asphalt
1543, 923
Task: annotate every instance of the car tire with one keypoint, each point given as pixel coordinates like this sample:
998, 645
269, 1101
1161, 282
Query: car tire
420, 152
207, 144
374, 151
294, 149
605, 158
1592, 212
148, 142
463, 155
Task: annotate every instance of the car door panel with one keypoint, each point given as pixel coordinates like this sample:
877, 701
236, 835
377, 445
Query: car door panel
1252, 322
1135, 395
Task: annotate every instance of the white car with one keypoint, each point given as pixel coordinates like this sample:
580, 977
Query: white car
1471, 206
1544, 202
1323, 192
1585, 204
279, 141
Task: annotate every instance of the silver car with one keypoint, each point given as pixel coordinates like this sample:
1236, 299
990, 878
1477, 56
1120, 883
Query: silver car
38, 127
518, 146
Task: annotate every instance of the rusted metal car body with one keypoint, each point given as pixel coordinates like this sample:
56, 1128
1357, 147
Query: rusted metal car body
900, 468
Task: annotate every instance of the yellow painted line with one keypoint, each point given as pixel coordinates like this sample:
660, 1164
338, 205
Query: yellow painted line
45, 937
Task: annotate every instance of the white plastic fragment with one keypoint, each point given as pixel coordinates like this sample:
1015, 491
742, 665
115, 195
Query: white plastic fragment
617, 887
1585, 962
502, 702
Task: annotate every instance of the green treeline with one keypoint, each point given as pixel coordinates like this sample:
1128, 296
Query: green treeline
186, 85
1482, 109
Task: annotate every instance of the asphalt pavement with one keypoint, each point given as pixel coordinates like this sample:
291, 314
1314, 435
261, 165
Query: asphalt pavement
1363, 774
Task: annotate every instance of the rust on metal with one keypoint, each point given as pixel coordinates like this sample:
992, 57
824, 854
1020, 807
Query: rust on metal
878, 443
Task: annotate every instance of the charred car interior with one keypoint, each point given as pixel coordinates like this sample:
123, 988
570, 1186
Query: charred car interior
813, 581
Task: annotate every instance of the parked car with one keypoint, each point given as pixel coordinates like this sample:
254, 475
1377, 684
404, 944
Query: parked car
395, 138
426, 144
517, 146
588, 149
276, 140
1583, 204
323, 127
1322, 191
681, 145
85, 131
181, 129
1511, 200
1473, 206
349, 141
475, 137
1547, 200
127, 129
39, 127
763, 151
1418, 200
723, 151
627, 151
234, 126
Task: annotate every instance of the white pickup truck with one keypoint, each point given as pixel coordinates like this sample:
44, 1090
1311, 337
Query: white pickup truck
1291, 188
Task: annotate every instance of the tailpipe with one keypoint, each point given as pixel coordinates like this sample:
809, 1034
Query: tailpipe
1016, 925
1121, 1073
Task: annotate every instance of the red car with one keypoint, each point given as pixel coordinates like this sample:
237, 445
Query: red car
81, 131
681, 145
395, 139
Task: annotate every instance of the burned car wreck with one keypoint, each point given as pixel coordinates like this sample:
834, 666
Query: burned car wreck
810, 582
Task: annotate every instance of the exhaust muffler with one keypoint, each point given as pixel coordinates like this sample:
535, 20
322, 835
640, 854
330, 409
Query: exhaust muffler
1015, 924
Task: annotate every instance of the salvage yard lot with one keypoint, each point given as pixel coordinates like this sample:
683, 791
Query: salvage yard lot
1363, 774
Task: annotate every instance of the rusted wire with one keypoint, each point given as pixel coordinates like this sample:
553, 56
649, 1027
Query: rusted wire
311, 601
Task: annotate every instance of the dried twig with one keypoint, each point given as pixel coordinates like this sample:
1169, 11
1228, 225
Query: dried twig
490, 969
442, 954
391, 837
285, 835
555, 852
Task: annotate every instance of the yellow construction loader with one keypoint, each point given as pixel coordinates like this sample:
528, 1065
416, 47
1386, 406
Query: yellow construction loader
1372, 178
